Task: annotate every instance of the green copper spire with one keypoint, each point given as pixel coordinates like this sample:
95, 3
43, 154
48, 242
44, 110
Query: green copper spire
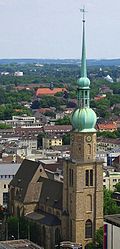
83, 61
83, 82
83, 118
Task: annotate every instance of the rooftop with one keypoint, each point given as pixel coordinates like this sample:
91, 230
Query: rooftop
44, 218
16, 244
48, 91
107, 126
113, 219
9, 169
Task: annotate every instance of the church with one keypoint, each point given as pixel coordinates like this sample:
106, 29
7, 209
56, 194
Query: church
83, 174
71, 210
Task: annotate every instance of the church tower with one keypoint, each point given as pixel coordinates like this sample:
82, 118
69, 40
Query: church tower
83, 174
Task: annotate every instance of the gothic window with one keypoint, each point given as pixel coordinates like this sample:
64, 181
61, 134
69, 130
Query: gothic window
91, 177
88, 229
89, 203
89, 148
87, 178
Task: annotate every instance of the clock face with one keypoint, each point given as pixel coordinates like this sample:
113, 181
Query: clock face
89, 138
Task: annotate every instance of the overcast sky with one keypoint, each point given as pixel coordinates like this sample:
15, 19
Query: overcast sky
53, 28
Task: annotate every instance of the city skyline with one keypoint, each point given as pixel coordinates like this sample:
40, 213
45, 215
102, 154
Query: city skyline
52, 29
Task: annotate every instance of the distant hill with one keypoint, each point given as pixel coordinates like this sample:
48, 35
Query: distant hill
105, 62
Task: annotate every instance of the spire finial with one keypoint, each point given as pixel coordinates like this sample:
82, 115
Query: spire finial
83, 61
83, 11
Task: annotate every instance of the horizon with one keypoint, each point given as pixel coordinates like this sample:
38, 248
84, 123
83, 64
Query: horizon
37, 58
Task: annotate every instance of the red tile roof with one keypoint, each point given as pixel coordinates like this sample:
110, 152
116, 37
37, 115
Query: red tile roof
107, 126
97, 98
44, 110
48, 91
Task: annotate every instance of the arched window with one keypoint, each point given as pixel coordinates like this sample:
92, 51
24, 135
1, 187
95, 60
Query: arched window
87, 177
89, 149
89, 203
88, 229
91, 177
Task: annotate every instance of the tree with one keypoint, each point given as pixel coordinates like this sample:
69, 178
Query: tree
98, 240
64, 121
5, 126
13, 227
117, 187
110, 206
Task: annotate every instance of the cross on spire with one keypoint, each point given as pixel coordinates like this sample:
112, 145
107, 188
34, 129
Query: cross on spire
83, 11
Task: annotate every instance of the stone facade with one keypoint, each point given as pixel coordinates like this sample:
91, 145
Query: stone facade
83, 189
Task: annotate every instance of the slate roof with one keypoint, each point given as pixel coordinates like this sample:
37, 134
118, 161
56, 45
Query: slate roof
33, 192
51, 193
52, 166
9, 168
18, 244
44, 218
24, 176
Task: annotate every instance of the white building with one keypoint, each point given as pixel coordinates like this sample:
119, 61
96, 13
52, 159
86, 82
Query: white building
7, 172
110, 179
24, 119
28, 141
18, 74
112, 232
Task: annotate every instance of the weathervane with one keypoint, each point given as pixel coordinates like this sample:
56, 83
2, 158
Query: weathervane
83, 11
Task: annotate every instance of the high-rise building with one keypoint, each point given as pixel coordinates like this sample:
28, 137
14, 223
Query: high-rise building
83, 174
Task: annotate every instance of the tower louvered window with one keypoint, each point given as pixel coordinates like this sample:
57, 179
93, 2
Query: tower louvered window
89, 178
